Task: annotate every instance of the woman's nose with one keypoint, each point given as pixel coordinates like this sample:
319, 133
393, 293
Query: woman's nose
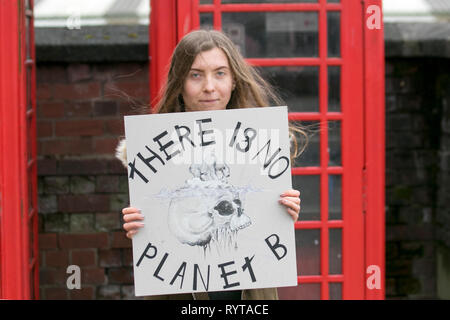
209, 84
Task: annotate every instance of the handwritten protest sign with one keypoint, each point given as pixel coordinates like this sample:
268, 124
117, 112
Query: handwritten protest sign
208, 184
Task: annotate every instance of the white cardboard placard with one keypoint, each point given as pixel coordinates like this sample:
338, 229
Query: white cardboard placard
208, 185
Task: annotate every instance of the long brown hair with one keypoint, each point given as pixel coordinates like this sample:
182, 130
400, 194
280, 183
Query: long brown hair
251, 89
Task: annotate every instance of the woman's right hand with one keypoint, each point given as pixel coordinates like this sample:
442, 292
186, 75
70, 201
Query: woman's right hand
133, 221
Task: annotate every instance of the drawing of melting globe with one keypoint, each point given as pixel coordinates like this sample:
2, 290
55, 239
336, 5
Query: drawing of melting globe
207, 208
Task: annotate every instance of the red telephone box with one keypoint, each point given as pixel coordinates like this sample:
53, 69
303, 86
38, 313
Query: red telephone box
19, 277
328, 63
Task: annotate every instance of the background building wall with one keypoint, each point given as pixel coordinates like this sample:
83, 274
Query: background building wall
85, 84
82, 189
415, 95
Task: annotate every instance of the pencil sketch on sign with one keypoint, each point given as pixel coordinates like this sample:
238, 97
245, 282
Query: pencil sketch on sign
208, 210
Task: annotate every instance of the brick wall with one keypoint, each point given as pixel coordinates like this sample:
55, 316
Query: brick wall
415, 97
443, 203
82, 188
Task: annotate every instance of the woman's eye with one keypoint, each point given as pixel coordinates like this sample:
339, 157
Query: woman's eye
220, 73
195, 75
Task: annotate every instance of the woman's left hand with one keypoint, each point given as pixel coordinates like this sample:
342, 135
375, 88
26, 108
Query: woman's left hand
291, 200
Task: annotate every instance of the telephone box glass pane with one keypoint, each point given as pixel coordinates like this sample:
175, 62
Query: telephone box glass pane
334, 33
309, 186
310, 156
335, 290
334, 143
334, 1
334, 88
334, 197
269, 1
298, 86
304, 291
206, 1
307, 243
274, 34
335, 252
206, 21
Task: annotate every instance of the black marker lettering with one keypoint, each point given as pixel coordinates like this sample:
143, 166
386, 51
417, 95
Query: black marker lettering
225, 275
248, 139
276, 246
248, 265
203, 133
164, 147
133, 170
281, 172
147, 161
184, 136
158, 269
144, 254
197, 269
179, 273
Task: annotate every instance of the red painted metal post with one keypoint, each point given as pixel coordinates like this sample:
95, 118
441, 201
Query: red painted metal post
13, 208
30, 139
374, 96
186, 17
162, 42
18, 168
324, 156
352, 150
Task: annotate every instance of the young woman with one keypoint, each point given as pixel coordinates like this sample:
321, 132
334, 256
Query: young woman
207, 72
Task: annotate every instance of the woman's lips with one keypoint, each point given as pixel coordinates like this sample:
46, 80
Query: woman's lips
209, 101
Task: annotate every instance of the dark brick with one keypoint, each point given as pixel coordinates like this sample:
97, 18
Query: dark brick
84, 293
127, 257
78, 109
56, 222
108, 221
55, 293
82, 222
56, 185
105, 108
105, 146
77, 72
119, 240
84, 241
83, 166
47, 204
110, 258
75, 128
57, 259
88, 90
107, 184
84, 258
84, 203
82, 184
408, 286
119, 201
47, 167
120, 275
52, 276
93, 276
109, 292
48, 241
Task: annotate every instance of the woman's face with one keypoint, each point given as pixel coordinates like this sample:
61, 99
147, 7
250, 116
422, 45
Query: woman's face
209, 83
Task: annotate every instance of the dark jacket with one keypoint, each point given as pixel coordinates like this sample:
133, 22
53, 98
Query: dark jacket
249, 294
